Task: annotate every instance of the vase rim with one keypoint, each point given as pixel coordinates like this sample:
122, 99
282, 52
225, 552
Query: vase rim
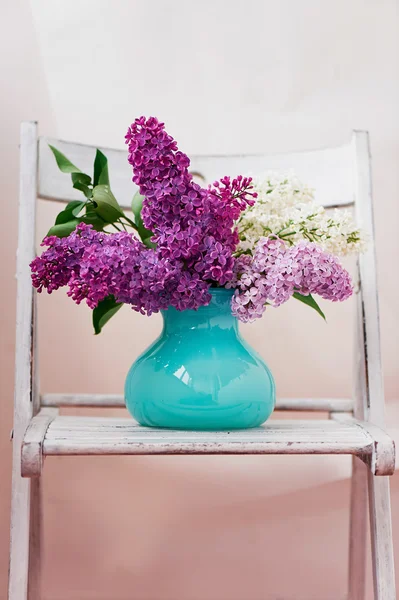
221, 290
219, 298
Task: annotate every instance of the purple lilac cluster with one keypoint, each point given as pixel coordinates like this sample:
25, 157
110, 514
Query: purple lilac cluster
95, 264
276, 271
194, 232
189, 222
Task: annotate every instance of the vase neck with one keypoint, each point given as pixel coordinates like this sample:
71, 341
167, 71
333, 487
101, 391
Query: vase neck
216, 314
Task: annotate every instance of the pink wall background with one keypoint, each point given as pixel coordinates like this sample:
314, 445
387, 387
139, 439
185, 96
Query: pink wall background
192, 528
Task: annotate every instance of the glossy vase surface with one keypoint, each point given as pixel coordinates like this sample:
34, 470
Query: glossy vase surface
200, 373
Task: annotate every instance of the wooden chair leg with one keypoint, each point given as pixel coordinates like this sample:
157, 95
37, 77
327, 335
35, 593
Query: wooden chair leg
35, 539
19, 536
358, 531
381, 538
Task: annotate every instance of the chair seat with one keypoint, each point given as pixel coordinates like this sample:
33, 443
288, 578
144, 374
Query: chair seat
49, 434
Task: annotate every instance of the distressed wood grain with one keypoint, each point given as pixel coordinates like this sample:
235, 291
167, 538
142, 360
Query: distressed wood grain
83, 435
32, 445
369, 389
24, 400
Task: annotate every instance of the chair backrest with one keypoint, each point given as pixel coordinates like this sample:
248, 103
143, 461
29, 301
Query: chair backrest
329, 171
341, 177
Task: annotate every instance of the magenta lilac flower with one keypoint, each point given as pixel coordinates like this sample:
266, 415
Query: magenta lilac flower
189, 222
95, 265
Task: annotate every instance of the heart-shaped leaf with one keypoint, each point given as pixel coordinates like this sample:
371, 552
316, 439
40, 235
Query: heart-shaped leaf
105, 204
310, 301
103, 312
101, 176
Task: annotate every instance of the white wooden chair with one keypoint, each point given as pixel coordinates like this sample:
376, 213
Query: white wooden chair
356, 426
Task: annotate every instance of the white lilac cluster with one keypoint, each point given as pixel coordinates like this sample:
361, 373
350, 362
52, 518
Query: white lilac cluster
286, 208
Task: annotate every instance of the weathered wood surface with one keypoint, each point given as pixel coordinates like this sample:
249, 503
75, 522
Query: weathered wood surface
381, 538
32, 445
370, 389
24, 400
70, 435
382, 459
35, 540
118, 401
357, 531
329, 170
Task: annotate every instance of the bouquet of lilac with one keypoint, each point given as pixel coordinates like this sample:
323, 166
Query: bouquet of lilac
183, 240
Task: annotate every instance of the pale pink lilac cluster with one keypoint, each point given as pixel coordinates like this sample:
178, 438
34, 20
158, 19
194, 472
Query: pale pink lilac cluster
276, 271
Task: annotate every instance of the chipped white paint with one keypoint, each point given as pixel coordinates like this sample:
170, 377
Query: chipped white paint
23, 401
381, 538
369, 391
357, 531
382, 459
35, 539
330, 171
67, 435
31, 453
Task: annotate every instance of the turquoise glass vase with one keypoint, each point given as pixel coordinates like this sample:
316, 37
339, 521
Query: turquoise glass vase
200, 373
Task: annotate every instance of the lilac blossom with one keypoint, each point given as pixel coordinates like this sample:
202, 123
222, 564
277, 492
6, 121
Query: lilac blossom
196, 240
276, 271
189, 222
95, 265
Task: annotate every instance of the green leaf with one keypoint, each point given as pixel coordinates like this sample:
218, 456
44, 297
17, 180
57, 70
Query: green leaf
310, 301
147, 242
101, 176
145, 234
78, 209
91, 218
88, 192
105, 204
67, 220
64, 229
63, 163
103, 312
80, 180
68, 213
137, 205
